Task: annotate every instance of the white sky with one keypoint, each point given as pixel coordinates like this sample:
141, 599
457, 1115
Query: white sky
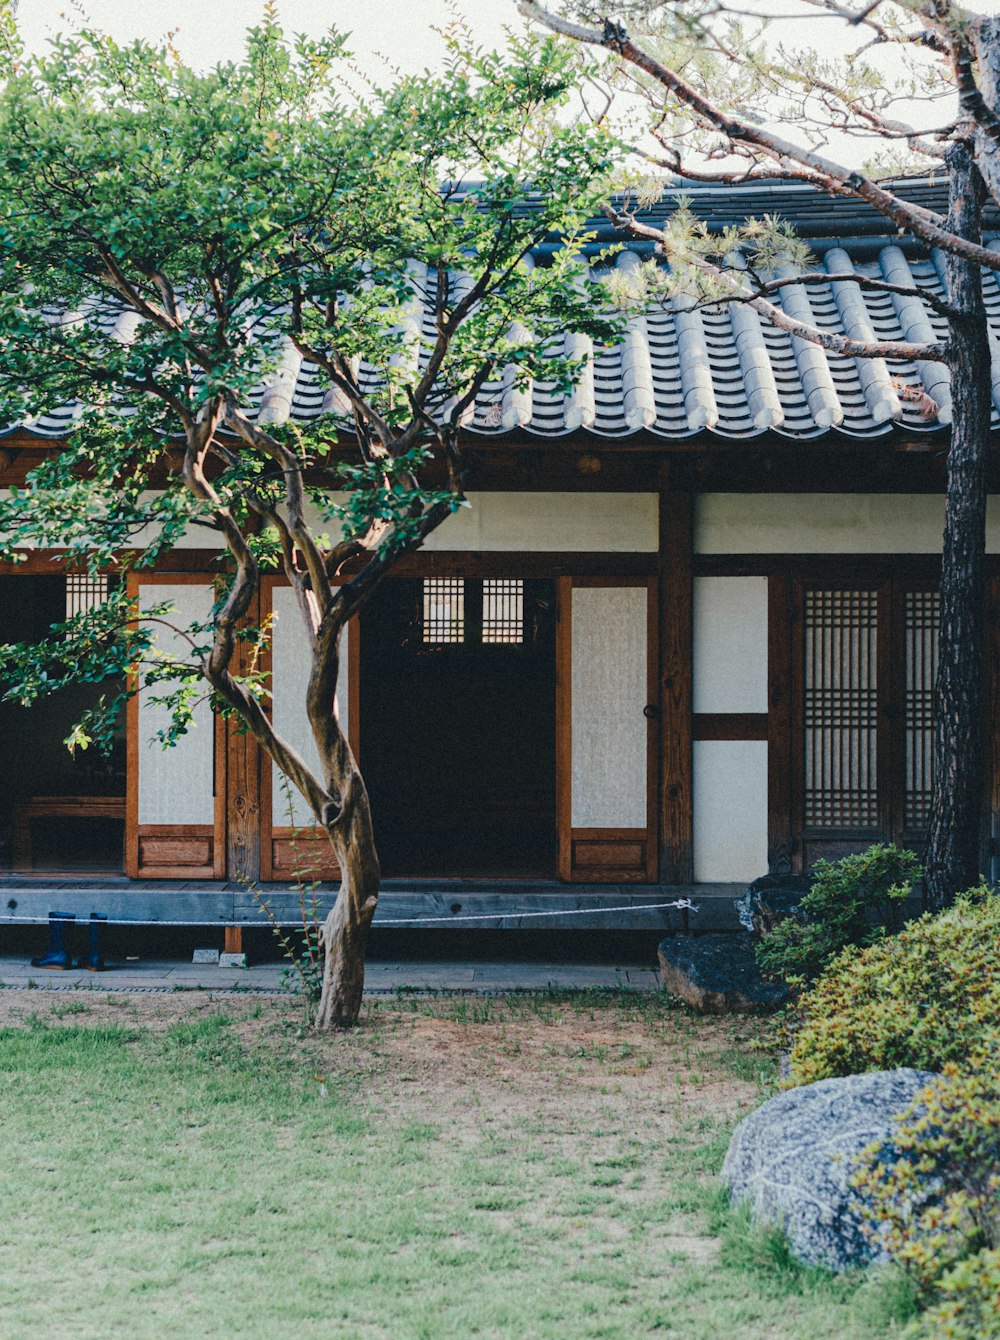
212, 30
399, 32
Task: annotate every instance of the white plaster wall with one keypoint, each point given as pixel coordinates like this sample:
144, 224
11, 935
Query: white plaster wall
574, 522
730, 810
826, 523
535, 522
175, 785
196, 537
730, 644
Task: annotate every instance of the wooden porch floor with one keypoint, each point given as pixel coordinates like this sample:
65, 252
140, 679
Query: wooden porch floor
403, 904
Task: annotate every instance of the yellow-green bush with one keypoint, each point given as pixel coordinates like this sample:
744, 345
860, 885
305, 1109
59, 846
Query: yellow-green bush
968, 1307
931, 1194
923, 998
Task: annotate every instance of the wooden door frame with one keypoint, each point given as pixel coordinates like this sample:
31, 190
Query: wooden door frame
614, 841
167, 835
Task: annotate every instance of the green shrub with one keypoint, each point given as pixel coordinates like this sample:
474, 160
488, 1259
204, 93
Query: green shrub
853, 901
969, 1303
923, 998
931, 1195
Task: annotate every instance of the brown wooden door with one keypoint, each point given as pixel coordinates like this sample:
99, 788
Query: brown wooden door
864, 662
606, 737
175, 808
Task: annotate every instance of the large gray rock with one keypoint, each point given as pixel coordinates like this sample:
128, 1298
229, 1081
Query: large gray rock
717, 974
792, 1161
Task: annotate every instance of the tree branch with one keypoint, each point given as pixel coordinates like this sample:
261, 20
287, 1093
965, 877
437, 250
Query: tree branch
923, 223
737, 292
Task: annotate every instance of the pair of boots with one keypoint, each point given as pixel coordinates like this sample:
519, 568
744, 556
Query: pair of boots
59, 957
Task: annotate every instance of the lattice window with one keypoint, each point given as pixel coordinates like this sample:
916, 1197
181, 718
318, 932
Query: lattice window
921, 619
84, 592
444, 609
503, 610
841, 709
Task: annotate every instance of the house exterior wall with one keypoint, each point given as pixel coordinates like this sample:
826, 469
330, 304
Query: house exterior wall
743, 808
827, 523
733, 757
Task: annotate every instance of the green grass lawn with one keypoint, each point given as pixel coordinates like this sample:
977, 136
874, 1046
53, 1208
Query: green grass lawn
178, 1167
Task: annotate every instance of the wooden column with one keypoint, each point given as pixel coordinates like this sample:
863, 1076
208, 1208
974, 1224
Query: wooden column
780, 770
676, 549
243, 764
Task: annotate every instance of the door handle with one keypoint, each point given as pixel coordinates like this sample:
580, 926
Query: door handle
651, 711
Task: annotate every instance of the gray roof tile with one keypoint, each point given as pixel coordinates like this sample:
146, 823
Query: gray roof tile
680, 370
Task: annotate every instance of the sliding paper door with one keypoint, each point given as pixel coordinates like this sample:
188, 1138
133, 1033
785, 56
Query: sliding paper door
606, 729
175, 805
291, 846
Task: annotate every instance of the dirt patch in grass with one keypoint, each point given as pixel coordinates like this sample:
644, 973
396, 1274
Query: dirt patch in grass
523, 1063
463, 1061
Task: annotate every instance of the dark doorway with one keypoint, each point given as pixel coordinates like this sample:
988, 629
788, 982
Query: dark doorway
458, 726
48, 818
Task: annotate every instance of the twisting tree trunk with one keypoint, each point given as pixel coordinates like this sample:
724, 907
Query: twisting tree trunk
345, 931
347, 818
953, 837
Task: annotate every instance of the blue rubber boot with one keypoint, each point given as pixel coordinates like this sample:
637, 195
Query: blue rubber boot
94, 961
58, 956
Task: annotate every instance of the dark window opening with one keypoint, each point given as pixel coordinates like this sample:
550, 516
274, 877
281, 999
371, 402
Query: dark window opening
30, 605
458, 726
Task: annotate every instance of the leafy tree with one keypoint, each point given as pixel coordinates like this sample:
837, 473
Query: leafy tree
169, 241
730, 104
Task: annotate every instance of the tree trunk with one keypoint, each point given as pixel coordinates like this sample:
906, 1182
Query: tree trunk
345, 931
956, 804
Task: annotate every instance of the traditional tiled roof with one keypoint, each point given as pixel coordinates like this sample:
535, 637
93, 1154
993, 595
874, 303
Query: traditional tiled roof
681, 370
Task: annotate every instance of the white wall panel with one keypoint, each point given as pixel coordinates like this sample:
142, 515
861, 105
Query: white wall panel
175, 785
730, 644
730, 810
609, 686
571, 522
196, 537
574, 522
826, 523
290, 666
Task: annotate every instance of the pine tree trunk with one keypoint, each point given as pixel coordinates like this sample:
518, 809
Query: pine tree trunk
956, 804
345, 931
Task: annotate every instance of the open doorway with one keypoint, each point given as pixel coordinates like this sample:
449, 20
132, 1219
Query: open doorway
59, 812
458, 726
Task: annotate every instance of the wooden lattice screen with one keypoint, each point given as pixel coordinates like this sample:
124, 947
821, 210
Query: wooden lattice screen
503, 610
84, 591
444, 609
841, 689
868, 667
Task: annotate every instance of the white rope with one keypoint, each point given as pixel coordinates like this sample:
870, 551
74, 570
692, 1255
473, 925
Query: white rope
445, 917
684, 903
